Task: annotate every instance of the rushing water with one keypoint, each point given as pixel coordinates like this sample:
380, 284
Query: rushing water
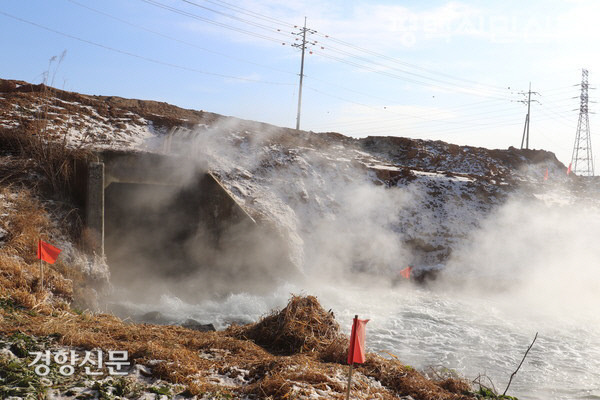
425, 327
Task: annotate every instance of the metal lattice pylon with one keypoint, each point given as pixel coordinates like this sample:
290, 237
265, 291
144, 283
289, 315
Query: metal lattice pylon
582, 162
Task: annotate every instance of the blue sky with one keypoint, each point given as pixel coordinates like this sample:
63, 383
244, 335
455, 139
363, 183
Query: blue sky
442, 70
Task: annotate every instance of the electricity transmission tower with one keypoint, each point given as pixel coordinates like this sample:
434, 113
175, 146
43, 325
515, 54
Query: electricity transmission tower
582, 162
525, 139
302, 32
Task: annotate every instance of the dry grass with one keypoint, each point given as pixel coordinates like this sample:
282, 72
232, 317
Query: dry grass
24, 221
298, 375
183, 354
20, 273
303, 326
455, 385
49, 153
406, 381
179, 348
15, 172
47, 148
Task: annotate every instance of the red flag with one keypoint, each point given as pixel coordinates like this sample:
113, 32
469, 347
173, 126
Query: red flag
356, 351
546, 174
405, 273
47, 252
569, 169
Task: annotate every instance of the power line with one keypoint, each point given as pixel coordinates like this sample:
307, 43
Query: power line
460, 129
483, 104
262, 26
195, 16
560, 102
177, 39
391, 75
188, 43
244, 31
458, 120
427, 132
448, 84
395, 60
127, 53
421, 131
185, 42
264, 17
210, 21
499, 123
390, 101
567, 114
254, 14
287, 24
554, 117
374, 108
554, 113
256, 24
562, 88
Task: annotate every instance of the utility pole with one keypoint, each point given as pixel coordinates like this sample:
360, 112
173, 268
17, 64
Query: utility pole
582, 161
525, 138
303, 31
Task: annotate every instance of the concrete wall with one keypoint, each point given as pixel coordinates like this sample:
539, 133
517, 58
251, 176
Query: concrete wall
94, 207
218, 209
194, 240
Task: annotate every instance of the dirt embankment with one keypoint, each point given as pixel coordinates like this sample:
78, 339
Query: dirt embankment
162, 114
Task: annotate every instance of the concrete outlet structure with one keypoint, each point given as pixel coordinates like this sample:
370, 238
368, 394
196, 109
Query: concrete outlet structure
94, 207
217, 208
165, 225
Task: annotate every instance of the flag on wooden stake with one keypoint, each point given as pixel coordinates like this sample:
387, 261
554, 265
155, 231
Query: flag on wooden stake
546, 174
569, 169
356, 351
47, 252
405, 273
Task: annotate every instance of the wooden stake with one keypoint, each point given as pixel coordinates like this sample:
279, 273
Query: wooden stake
42, 275
352, 363
349, 382
39, 254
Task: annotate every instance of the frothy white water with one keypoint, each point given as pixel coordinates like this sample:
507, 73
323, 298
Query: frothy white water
472, 335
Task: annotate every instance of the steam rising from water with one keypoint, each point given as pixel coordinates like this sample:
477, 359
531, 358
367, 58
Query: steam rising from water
528, 267
532, 267
541, 257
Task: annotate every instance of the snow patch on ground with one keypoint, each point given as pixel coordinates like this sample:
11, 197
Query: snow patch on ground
85, 126
234, 377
